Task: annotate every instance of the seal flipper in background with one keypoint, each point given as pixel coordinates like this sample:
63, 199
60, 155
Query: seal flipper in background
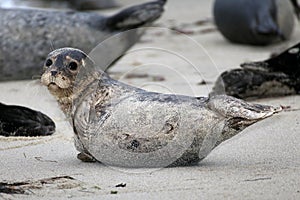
277, 76
22, 121
136, 16
266, 21
296, 8
254, 84
287, 62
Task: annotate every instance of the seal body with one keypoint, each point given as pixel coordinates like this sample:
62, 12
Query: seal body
92, 4
63, 4
125, 126
22, 121
26, 36
255, 22
277, 76
89, 4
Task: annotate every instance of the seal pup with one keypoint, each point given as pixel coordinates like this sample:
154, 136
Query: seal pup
255, 22
125, 126
26, 35
277, 76
22, 121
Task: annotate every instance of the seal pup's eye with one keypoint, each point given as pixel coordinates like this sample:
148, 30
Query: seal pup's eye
72, 66
48, 63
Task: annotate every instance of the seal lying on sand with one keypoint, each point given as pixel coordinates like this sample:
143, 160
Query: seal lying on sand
255, 22
88, 4
21, 121
26, 36
121, 125
277, 76
61, 4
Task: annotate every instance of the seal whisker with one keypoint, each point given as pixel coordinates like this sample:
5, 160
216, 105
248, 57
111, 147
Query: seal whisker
52, 46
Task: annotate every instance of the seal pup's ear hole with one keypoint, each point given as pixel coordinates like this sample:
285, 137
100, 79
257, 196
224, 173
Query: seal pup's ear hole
48, 62
73, 66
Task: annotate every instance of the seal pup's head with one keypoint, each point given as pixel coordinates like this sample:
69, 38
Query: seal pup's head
66, 72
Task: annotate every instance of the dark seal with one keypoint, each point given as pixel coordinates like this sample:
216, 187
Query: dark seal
255, 22
277, 76
125, 126
27, 35
22, 121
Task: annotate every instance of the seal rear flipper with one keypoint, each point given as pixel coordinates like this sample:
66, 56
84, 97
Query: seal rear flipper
287, 62
136, 16
21, 121
238, 114
296, 8
230, 107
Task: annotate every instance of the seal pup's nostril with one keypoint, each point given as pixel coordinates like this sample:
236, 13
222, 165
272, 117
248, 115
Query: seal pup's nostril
53, 73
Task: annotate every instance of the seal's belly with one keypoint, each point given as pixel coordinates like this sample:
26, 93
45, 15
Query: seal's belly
150, 134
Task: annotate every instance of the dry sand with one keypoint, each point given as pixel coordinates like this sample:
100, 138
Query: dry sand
263, 162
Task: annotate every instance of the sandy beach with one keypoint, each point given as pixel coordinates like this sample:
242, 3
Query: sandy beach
262, 162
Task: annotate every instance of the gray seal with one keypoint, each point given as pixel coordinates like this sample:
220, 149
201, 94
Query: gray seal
273, 77
87, 4
125, 126
255, 22
27, 35
62, 4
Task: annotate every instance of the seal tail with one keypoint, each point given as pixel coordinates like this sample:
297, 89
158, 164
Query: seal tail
136, 16
21, 121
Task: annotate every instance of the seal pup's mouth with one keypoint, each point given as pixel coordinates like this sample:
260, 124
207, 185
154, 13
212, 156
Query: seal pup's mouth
53, 86
58, 82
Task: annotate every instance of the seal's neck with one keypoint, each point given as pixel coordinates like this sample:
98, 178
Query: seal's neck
69, 96
65, 99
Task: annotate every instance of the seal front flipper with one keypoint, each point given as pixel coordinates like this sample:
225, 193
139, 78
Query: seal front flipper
84, 157
136, 16
21, 121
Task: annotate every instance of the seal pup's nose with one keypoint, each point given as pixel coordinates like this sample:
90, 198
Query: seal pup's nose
53, 73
